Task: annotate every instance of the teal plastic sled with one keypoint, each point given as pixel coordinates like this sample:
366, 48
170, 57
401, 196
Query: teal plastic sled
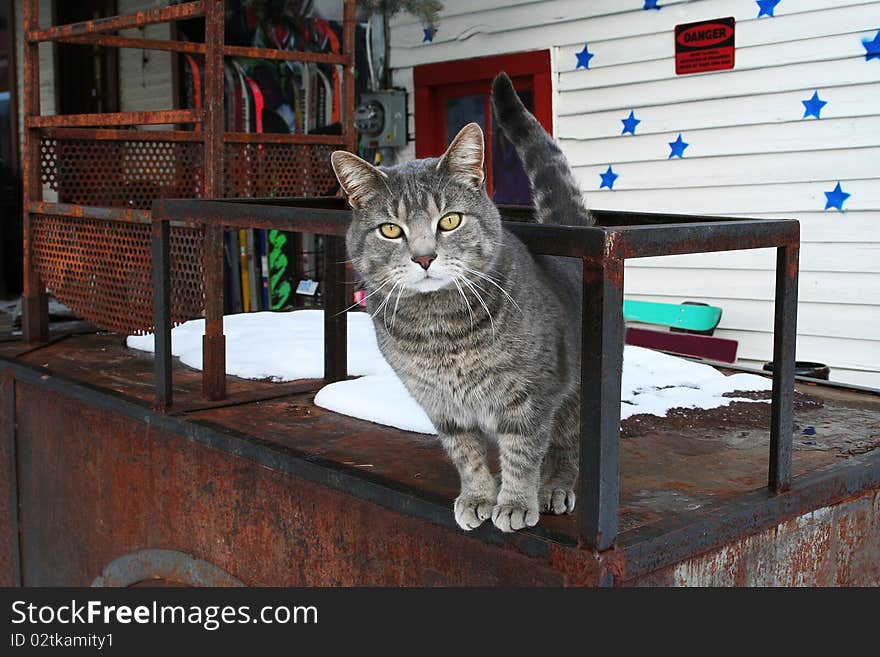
692, 318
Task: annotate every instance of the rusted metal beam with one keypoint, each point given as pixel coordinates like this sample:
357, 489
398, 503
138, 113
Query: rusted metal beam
349, 13
622, 218
125, 215
286, 55
320, 221
213, 342
335, 304
160, 117
784, 343
10, 542
123, 134
602, 336
161, 253
702, 237
34, 302
114, 41
116, 23
273, 138
277, 391
90, 212
571, 241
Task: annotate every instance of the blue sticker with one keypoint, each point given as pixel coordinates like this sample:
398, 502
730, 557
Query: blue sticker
766, 7
836, 198
630, 123
584, 57
429, 34
652, 4
814, 105
872, 48
677, 147
608, 178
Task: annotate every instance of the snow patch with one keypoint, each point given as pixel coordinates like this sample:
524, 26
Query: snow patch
290, 346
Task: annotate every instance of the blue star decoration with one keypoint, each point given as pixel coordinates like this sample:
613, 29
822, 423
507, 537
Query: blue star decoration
813, 106
872, 48
835, 198
584, 57
652, 4
630, 123
677, 147
608, 178
429, 34
766, 7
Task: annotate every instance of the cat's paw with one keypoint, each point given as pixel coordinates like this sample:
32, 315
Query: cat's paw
514, 516
471, 511
556, 500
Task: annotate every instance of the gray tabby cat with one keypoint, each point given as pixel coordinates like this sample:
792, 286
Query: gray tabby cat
485, 335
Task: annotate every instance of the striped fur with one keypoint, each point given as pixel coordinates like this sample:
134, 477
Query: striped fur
557, 197
487, 338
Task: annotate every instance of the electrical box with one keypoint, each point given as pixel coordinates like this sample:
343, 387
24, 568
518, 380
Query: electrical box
381, 118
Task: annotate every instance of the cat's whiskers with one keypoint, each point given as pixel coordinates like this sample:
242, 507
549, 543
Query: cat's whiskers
394, 314
467, 304
480, 299
357, 303
491, 280
384, 303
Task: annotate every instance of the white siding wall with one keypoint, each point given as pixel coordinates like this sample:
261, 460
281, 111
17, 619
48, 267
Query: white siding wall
142, 86
145, 86
47, 60
751, 152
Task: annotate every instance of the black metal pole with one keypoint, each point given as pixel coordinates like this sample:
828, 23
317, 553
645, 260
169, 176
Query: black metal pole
601, 367
335, 320
162, 311
784, 342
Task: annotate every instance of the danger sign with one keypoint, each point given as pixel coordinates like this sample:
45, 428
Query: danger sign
705, 46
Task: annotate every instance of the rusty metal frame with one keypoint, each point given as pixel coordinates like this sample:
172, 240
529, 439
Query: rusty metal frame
603, 249
116, 118
637, 552
103, 127
115, 23
8, 435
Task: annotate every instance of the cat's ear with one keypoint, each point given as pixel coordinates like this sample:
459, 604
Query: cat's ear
463, 160
359, 179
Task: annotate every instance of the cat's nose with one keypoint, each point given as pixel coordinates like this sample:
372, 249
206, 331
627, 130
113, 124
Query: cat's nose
425, 261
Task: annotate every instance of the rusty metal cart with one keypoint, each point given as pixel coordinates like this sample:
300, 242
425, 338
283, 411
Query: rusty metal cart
125, 468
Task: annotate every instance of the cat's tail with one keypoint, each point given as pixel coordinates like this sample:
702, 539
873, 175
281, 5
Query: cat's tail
557, 196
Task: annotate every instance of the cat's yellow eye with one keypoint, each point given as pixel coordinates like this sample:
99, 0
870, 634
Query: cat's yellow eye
450, 221
391, 231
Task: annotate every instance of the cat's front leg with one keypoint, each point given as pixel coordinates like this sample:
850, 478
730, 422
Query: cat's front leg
467, 450
517, 504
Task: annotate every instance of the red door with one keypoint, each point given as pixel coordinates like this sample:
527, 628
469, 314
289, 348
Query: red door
449, 95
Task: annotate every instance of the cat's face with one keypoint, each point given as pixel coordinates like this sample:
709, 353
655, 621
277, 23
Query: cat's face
420, 226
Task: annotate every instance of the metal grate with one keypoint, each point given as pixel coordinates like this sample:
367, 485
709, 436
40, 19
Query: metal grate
276, 170
121, 173
101, 269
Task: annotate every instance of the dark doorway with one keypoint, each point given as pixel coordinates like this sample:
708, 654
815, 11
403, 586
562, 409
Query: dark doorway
449, 95
86, 76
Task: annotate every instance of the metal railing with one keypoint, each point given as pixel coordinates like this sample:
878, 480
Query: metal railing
603, 248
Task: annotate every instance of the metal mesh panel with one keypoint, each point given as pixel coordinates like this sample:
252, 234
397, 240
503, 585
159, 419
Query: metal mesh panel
273, 170
101, 270
120, 173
